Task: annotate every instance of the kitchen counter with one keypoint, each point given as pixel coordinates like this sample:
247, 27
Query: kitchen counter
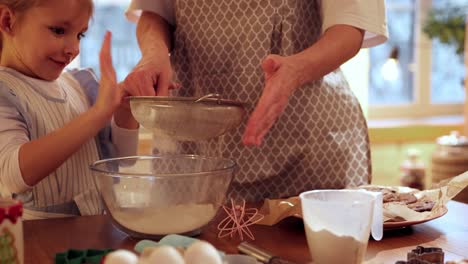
44, 238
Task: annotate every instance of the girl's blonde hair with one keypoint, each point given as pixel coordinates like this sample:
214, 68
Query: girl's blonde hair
20, 6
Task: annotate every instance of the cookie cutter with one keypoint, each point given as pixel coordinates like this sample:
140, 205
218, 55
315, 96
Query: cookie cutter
424, 255
77, 256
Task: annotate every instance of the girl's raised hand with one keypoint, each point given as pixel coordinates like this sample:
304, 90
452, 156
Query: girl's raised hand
110, 94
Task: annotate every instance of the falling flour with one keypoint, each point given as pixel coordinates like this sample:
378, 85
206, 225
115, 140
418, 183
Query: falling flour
169, 220
329, 248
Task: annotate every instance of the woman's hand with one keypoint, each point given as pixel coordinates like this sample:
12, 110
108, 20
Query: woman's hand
282, 77
152, 75
152, 71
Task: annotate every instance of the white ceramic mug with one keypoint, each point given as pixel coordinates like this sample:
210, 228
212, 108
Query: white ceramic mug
338, 223
11, 231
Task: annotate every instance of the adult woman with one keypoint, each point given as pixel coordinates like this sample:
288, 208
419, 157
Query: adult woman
307, 124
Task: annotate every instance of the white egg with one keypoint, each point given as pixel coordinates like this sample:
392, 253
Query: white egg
143, 261
202, 252
121, 256
165, 255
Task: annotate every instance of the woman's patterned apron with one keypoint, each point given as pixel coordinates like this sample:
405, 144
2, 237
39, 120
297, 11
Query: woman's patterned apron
320, 141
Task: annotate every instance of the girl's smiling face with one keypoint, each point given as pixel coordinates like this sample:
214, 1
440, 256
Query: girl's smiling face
46, 38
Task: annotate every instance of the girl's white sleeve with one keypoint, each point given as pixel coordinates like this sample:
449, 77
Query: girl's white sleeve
13, 134
164, 8
368, 15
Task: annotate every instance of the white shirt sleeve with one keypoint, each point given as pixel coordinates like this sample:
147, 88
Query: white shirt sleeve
13, 134
164, 8
125, 140
368, 15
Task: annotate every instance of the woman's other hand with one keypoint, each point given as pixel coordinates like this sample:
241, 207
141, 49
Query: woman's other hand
283, 75
281, 79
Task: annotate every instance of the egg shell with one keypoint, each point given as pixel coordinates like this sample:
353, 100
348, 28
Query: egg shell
143, 261
202, 252
165, 255
121, 256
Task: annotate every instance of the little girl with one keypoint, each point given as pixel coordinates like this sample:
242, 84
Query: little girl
50, 119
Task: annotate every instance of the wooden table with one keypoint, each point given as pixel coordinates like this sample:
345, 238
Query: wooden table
45, 238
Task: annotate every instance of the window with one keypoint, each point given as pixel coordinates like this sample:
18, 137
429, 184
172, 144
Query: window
428, 78
392, 84
109, 15
447, 82
426, 82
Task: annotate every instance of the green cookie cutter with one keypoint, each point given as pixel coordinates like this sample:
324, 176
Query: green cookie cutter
77, 256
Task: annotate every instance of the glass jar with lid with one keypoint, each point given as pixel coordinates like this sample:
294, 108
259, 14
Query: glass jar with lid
450, 159
413, 170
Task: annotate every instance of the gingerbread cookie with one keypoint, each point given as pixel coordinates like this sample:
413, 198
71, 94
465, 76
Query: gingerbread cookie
422, 205
390, 195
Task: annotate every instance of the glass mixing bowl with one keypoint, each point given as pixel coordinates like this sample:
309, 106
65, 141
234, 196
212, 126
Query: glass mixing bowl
152, 196
187, 118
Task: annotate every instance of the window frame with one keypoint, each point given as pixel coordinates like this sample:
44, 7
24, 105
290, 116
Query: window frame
421, 107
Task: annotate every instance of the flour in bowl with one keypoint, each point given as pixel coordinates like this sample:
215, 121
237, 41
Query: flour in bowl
168, 220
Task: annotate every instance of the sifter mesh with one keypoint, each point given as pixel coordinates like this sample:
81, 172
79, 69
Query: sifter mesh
187, 118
